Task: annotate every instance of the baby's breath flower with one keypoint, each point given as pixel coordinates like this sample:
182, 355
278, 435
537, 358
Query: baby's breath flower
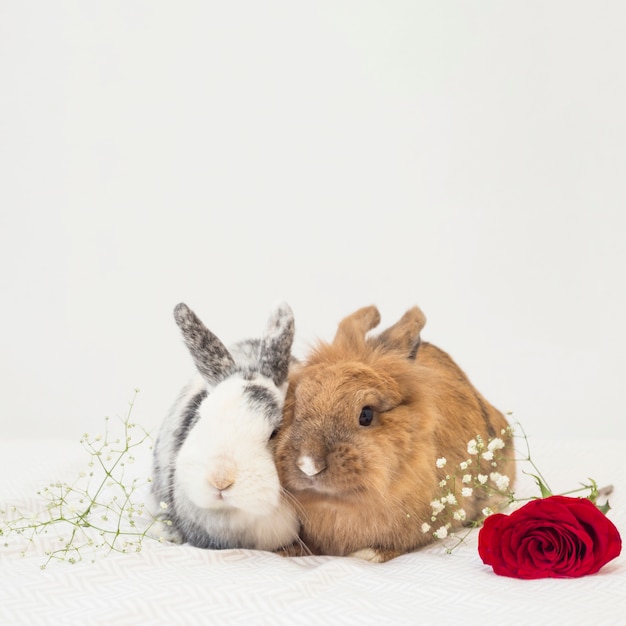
443, 483
450, 498
425, 527
488, 456
437, 506
495, 444
502, 482
441, 532
163, 505
464, 465
482, 479
472, 447
486, 511
460, 515
467, 478
441, 462
466, 492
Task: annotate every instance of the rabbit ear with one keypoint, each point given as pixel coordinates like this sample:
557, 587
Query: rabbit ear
405, 333
210, 355
275, 349
352, 329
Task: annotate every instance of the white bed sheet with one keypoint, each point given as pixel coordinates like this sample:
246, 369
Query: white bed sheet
169, 584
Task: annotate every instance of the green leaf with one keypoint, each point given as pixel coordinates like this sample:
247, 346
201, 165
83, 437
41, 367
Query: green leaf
605, 508
545, 492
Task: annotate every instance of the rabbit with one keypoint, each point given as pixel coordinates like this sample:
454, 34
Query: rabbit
366, 419
214, 476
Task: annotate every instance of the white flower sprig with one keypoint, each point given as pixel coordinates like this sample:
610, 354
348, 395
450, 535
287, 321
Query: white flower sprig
469, 480
100, 511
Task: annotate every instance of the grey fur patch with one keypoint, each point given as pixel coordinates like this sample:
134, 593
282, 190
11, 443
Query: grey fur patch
198, 536
275, 351
245, 352
189, 418
262, 400
210, 355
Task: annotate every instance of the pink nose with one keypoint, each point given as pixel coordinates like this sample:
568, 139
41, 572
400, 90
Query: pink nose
221, 482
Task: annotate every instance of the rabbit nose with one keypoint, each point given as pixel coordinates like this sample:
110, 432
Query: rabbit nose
309, 466
221, 482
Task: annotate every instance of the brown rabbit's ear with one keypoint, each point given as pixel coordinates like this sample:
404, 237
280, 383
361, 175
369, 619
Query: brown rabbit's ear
352, 329
405, 333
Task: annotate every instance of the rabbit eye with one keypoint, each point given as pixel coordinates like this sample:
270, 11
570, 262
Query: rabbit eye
366, 416
274, 433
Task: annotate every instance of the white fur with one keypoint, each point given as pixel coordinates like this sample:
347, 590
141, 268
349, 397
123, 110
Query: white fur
307, 465
229, 441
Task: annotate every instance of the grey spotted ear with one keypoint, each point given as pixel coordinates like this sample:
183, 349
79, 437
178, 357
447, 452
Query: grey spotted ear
209, 354
404, 335
353, 328
275, 349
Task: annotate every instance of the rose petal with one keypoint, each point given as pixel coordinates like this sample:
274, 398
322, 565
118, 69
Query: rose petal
558, 537
605, 537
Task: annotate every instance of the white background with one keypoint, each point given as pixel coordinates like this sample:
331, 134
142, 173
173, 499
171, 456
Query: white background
468, 157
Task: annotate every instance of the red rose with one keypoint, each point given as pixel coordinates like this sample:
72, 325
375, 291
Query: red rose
554, 537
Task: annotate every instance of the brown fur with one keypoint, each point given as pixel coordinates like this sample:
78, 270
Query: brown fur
375, 483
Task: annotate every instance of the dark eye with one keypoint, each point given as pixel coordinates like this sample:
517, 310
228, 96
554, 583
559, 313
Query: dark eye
274, 433
366, 416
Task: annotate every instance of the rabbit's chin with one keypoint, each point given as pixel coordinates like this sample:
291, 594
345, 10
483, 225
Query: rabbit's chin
307, 490
214, 501
259, 502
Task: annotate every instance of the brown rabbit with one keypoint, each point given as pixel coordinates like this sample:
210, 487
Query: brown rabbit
365, 421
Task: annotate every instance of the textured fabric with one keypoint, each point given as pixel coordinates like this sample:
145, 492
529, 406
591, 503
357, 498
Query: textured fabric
166, 584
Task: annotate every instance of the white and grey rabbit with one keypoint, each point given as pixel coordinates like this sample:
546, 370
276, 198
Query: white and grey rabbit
213, 464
